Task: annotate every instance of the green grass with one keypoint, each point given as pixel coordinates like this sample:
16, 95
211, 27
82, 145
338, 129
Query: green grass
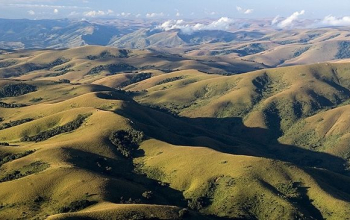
27, 170
70, 126
8, 157
15, 123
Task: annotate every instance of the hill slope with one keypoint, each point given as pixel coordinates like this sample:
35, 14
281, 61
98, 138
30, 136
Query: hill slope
183, 144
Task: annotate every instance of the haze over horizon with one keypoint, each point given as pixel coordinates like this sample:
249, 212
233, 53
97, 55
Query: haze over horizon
174, 9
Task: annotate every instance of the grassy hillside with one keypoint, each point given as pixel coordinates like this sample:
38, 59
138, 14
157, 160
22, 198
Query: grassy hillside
93, 63
171, 145
279, 101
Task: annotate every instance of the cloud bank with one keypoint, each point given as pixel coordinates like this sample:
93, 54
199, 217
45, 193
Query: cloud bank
154, 15
222, 24
288, 22
333, 21
98, 13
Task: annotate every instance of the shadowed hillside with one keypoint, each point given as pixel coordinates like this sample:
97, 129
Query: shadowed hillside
118, 136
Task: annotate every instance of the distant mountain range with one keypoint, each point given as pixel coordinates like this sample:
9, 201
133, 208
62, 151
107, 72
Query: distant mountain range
253, 41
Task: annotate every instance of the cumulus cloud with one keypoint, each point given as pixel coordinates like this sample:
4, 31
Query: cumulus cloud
94, 13
123, 14
98, 13
248, 11
55, 11
289, 21
244, 11
154, 15
333, 21
221, 24
275, 20
31, 12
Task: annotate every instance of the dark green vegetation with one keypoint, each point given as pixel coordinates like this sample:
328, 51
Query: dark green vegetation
11, 90
12, 105
70, 126
107, 55
28, 67
112, 69
10, 157
76, 206
300, 51
7, 64
36, 99
126, 142
135, 78
15, 123
27, 170
250, 49
167, 80
344, 50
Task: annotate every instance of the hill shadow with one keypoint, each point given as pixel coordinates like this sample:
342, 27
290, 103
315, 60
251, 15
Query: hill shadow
230, 135
227, 135
121, 173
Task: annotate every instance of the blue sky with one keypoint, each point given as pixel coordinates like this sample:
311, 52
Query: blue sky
171, 9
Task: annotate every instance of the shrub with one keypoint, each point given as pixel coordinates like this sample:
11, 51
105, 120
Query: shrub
64, 81
36, 99
147, 194
15, 123
10, 157
76, 206
136, 78
112, 68
13, 90
183, 213
172, 79
197, 203
70, 126
344, 50
126, 142
32, 168
12, 105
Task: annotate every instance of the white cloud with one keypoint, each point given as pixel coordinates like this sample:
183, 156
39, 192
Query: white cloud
178, 14
44, 6
31, 12
275, 20
74, 14
94, 13
154, 15
124, 14
55, 11
221, 24
333, 21
289, 21
100, 13
248, 11
244, 11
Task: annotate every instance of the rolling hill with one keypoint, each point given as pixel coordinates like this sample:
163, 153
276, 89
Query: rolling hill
101, 133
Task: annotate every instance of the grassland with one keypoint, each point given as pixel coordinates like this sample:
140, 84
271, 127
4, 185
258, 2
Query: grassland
181, 144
